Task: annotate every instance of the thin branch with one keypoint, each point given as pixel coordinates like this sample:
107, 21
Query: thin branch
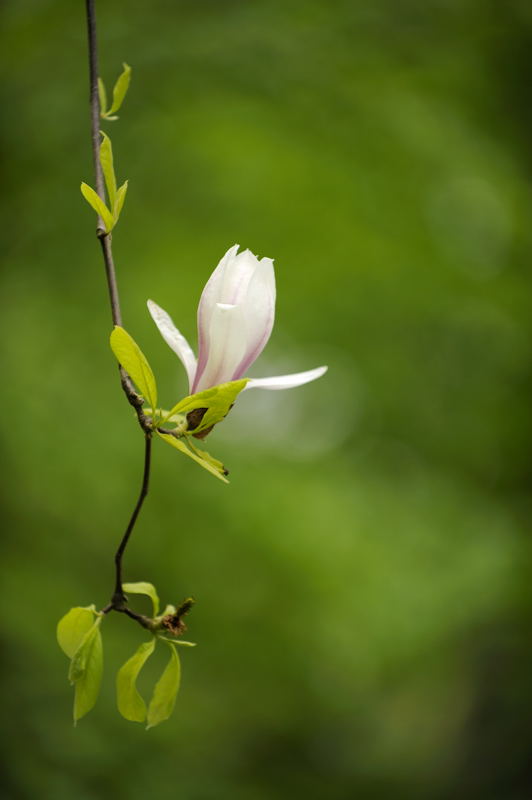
105, 238
118, 601
119, 598
110, 272
94, 99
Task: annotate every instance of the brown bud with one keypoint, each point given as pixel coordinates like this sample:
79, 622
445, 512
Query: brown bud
174, 622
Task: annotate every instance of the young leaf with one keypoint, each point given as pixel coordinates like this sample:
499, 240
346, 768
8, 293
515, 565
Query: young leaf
86, 671
217, 400
72, 628
131, 357
142, 587
179, 444
120, 89
178, 420
102, 94
165, 692
130, 703
168, 609
106, 160
178, 642
119, 201
98, 205
217, 465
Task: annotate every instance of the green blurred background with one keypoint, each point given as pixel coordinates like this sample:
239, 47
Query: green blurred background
363, 585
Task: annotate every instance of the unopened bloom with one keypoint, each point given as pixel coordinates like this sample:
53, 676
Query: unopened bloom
235, 320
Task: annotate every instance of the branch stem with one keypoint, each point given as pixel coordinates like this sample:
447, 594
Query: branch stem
118, 601
110, 272
95, 103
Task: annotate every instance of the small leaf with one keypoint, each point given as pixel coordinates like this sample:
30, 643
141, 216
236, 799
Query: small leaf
179, 642
131, 357
180, 445
119, 201
87, 666
106, 160
217, 400
98, 205
73, 627
179, 420
120, 89
102, 94
130, 703
142, 587
214, 462
165, 692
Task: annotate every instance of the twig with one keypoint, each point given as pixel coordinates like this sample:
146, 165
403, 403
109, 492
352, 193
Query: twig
118, 601
119, 598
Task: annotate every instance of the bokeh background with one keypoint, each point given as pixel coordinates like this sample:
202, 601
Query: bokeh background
363, 585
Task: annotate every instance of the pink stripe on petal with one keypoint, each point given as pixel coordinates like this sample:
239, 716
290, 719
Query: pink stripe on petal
227, 346
209, 298
259, 312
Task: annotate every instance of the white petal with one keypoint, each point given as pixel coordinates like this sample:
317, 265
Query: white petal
238, 273
174, 339
226, 347
209, 297
286, 381
258, 307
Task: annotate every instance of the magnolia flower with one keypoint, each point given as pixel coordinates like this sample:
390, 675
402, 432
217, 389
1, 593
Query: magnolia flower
235, 320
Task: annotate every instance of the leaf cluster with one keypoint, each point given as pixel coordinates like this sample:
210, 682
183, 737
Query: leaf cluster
79, 636
110, 213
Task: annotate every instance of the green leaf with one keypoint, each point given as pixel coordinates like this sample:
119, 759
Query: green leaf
119, 201
214, 462
86, 671
72, 628
131, 357
164, 695
142, 587
178, 642
106, 160
120, 89
179, 420
180, 445
217, 400
98, 205
79, 659
102, 94
130, 703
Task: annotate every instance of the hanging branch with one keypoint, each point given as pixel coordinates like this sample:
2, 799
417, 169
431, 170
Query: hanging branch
214, 384
118, 601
